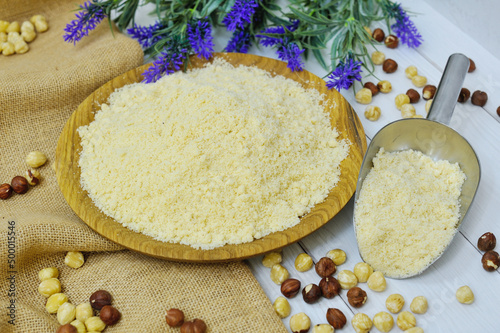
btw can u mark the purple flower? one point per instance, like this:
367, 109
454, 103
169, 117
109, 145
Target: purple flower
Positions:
280, 30
404, 28
167, 63
290, 52
239, 42
146, 36
241, 13
344, 75
200, 37
86, 20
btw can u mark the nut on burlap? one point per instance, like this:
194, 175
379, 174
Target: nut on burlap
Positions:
38, 92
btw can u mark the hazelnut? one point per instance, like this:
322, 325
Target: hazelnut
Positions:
84, 311
400, 100
55, 301
74, 259
472, 66
498, 111
174, 317
428, 92
370, 85
406, 320
329, 286
347, 279
428, 105
383, 321
411, 71
391, 41
362, 271
279, 274
33, 177
361, 323
303, 262
378, 35
384, 86
378, 58
389, 66
99, 299
419, 305
372, 112
465, 295
36, 159
67, 328
356, 297
80, 327
364, 96
110, 315
271, 259
487, 242
19, 185
325, 267
5, 191
290, 287
394, 303
282, 307
311, 293
47, 273
464, 95
49, 287
300, 323
66, 313
95, 324
490, 261
368, 30
336, 318
415, 330
323, 328
408, 111
337, 255
419, 81
413, 95
376, 282
478, 98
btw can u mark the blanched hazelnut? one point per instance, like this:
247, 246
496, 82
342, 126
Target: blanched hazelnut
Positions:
376, 282
99, 299
325, 267
378, 35
300, 323
66, 313
13, 27
487, 242
465, 295
74, 259
49, 287
282, 307
80, 327
95, 324
329, 286
55, 301
279, 274
372, 112
413, 95
20, 46
84, 311
408, 111
368, 30
47, 273
356, 297
384, 86
419, 305
311, 293
7, 48
362, 271
406, 320
400, 100
33, 177
394, 303
391, 41
419, 81
109, 315
364, 96
428, 105
389, 66
383, 321
3, 26
36, 159
378, 58
323, 328
411, 71
491, 261
428, 92
415, 330
373, 88
290, 287
337, 255
271, 259
361, 323
336, 318
347, 279
303, 262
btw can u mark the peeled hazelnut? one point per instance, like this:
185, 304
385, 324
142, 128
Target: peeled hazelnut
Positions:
376, 282
311, 293
364, 96
362, 271
282, 307
465, 295
415, 330
464, 95
325, 267
428, 105
408, 111
300, 323
370, 85
36, 159
55, 301
406, 320
491, 261
19, 185
33, 177
279, 274
49, 287
347, 279
378, 58
95, 324
303, 262
337, 255
99, 299
74, 259
174, 317
356, 297
384, 86
372, 112
84, 311
391, 41
361, 323
394, 303
323, 328
368, 30
336, 318
413, 95
428, 92
389, 66
478, 98
400, 100
67, 328
487, 242
411, 71
109, 315
383, 321
271, 259
329, 286
47, 273
5, 191
472, 66
378, 35
290, 287
419, 81
80, 326
66, 313
419, 305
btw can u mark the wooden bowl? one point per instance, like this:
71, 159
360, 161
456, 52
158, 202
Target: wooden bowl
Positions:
343, 118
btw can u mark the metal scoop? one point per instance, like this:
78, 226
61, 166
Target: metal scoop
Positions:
432, 137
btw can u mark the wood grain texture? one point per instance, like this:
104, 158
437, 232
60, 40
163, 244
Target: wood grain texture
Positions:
343, 118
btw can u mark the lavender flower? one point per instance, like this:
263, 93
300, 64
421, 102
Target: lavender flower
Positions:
200, 37
239, 42
241, 13
280, 30
404, 28
146, 36
167, 63
290, 52
344, 75
86, 20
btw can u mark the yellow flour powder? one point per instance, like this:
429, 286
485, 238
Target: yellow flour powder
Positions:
407, 211
218, 155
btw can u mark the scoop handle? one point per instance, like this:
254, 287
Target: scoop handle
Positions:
449, 88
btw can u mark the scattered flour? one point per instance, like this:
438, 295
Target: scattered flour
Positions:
218, 155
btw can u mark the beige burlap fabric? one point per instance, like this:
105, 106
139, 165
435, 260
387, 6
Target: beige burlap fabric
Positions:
38, 92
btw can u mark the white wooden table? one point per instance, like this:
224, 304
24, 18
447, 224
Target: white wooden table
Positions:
461, 263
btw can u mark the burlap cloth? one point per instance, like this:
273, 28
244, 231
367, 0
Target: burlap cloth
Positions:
38, 92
